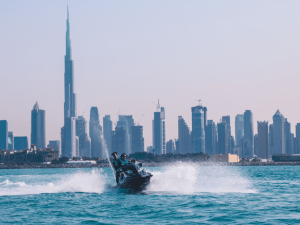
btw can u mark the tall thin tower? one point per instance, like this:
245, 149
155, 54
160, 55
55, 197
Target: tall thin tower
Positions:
68, 138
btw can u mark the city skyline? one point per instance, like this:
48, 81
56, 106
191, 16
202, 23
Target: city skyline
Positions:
135, 105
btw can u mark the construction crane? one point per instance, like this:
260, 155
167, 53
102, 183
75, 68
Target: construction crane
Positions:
138, 123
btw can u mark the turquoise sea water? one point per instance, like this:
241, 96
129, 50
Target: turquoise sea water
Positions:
178, 194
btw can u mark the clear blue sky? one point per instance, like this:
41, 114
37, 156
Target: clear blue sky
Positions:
233, 55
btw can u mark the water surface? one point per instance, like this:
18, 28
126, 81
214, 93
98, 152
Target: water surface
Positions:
178, 194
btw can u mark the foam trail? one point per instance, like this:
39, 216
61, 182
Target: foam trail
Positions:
90, 182
190, 178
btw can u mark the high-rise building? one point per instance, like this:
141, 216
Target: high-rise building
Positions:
255, 144
170, 147
262, 140
10, 141
137, 139
81, 133
68, 131
20, 143
69, 149
211, 141
297, 131
184, 137
271, 140
87, 147
158, 131
55, 145
95, 134
288, 138
127, 123
107, 129
3, 134
278, 133
118, 140
226, 119
38, 127
239, 130
198, 128
248, 140
222, 138
295, 145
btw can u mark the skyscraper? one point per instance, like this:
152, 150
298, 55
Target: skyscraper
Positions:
239, 133
278, 133
262, 140
81, 133
222, 138
10, 141
271, 140
184, 137
226, 119
211, 138
118, 140
137, 139
127, 123
158, 131
255, 144
107, 129
38, 131
288, 138
95, 134
170, 147
198, 129
20, 143
297, 141
3, 134
87, 147
248, 142
68, 131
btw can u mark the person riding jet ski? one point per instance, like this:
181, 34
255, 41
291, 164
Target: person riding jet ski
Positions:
118, 163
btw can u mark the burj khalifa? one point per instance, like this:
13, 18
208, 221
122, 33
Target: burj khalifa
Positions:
68, 131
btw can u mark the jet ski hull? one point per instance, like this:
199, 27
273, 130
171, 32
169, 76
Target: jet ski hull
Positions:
135, 183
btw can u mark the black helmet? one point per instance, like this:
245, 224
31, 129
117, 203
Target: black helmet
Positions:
123, 155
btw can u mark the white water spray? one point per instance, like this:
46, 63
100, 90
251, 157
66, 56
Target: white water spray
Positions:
104, 146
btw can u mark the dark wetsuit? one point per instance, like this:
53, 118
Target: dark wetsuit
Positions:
117, 165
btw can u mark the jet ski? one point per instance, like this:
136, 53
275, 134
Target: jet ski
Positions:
134, 177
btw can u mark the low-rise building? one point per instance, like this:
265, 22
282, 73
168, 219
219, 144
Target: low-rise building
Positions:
29, 155
224, 158
286, 158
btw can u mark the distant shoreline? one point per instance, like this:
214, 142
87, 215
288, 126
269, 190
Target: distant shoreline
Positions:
164, 164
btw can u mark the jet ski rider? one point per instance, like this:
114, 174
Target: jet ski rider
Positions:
118, 162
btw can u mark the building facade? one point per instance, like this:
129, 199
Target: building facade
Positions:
95, 134
211, 141
262, 140
248, 140
158, 131
198, 128
20, 143
55, 145
10, 141
278, 133
171, 147
107, 129
3, 134
184, 137
68, 131
137, 139
222, 138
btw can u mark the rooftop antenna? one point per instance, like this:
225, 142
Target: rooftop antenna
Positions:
198, 101
157, 106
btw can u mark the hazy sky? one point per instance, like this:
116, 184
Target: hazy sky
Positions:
233, 55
